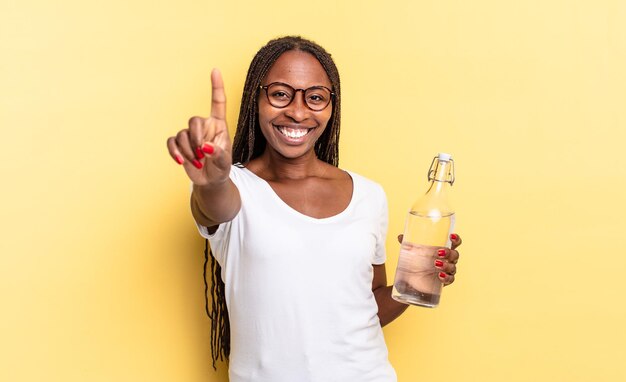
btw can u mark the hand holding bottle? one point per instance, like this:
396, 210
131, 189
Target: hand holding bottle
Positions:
447, 259
445, 265
204, 149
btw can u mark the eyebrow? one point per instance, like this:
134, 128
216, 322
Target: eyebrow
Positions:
329, 87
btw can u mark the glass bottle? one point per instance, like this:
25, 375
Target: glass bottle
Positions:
428, 227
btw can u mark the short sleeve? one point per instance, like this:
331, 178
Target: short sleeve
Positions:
383, 220
218, 234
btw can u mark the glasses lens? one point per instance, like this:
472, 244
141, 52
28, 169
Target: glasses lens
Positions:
317, 97
280, 95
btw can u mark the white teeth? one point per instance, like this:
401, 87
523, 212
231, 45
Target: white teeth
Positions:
293, 133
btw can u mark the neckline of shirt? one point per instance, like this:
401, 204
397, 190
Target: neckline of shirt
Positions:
295, 212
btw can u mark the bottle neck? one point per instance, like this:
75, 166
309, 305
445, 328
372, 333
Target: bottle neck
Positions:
436, 201
441, 177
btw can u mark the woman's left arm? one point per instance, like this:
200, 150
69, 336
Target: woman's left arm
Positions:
390, 309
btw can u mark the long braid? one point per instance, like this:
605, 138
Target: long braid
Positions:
248, 144
220, 333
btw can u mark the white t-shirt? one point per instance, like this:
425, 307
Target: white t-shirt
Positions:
299, 289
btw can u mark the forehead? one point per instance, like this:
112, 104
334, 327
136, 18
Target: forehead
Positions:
298, 69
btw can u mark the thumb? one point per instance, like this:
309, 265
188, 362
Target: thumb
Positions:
221, 158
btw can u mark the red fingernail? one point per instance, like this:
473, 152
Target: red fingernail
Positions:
179, 159
454, 236
197, 163
438, 263
199, 153
208, 148
442, 275
441, 252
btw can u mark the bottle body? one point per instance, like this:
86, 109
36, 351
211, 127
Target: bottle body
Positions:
428, 227
417, 280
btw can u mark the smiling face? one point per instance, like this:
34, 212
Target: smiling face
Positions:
293, 130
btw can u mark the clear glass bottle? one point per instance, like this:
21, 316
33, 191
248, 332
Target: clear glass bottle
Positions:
428, 227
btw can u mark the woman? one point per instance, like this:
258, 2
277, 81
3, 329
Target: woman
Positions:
300, 243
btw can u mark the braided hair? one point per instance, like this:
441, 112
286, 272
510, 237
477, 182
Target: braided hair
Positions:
249, 143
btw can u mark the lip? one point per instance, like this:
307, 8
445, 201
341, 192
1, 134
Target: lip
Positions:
293, 141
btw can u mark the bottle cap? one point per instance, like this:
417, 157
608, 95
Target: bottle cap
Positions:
445, 157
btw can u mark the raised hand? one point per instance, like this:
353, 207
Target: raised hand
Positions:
204, 149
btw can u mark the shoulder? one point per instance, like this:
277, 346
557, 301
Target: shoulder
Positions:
369, 198
243, 178
369, 194
366, 185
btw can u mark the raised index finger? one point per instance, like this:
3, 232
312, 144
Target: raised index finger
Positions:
218, 96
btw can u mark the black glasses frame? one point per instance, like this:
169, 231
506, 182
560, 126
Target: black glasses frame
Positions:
295, 91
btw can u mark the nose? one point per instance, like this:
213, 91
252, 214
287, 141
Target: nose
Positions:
297, 109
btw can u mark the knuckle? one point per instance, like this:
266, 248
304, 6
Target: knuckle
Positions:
218, 96
451, 270
183, 145
181, 136
195, 121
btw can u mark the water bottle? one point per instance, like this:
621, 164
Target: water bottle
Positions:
428, 227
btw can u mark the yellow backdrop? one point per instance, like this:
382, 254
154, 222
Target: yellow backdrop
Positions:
101, 265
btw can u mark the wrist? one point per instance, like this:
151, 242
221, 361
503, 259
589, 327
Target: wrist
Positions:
210, 185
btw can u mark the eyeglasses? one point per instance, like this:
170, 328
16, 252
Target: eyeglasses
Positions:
281, 95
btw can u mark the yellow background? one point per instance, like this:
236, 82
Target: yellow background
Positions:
101, 265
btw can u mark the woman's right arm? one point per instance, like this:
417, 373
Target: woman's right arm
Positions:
211, 206
205, 152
